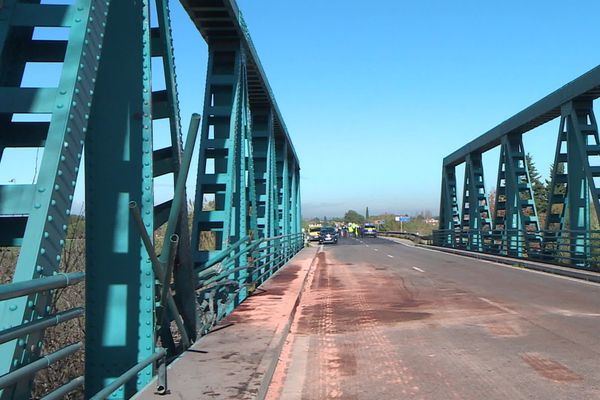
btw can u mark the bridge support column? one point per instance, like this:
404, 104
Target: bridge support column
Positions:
578, 146
35, 215
118, 155
476, 220
449, 224
515, 220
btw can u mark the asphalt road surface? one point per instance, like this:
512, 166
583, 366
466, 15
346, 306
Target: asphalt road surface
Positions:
382, 320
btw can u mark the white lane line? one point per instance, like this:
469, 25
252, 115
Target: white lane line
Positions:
526, 270
376, 249
321, 247
493, 303
390, 256
367, 245
418, 269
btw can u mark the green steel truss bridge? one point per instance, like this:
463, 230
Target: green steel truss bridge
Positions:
513, 229
148, 300
145, 302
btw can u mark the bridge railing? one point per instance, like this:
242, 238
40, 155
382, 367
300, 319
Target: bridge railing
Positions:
228, 278
573, 248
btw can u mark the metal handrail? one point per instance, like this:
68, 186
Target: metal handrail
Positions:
44, 362
575, 248
128, 375
15, 332
24, 288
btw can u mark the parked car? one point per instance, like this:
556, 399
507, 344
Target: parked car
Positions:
328, 235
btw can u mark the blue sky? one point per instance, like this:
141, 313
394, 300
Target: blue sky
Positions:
375, 94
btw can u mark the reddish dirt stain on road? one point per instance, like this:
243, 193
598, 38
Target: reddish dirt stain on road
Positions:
550, 369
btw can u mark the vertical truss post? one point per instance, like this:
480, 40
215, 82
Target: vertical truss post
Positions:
449, 215
261, 137
516, 222
298, 205
580, 131
214, 212
167, 160
294, 200
285, 196
36, 216
475, 213
557, 197
118, 156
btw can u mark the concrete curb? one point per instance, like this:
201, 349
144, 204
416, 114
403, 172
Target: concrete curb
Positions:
519, 262
271, 358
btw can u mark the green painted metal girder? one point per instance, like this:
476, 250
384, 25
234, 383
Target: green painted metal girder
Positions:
574, 193
476, 221
449, 214
165, 104
516, 228
118, 154
231, 26
44, 206
585, 87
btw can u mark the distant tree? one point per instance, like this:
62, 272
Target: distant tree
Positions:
492, 202
561, 188
354, 217
367, 214
539, 190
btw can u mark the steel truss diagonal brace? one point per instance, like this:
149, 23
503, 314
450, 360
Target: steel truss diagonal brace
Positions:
516, 221
44, 209
572, 190
449, 213
475, 213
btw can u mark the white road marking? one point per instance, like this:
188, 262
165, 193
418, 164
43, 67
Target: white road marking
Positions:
418, 269
527, 270
376, 249
321, 247
367, 245
390, 256
493, 303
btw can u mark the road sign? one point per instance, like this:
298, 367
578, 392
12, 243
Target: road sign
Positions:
402, 218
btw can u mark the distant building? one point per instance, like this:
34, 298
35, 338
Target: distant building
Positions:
431, 221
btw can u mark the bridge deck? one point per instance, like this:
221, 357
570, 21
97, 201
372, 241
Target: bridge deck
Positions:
382, 320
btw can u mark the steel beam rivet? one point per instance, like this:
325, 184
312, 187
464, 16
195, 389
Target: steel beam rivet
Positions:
37, 205
63, 92
56, 187
41, 190
64, 227
48, 308
12, 307
39, 267
78, 19
59, 106
57, 258
30, 304
21, 343
43, 251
